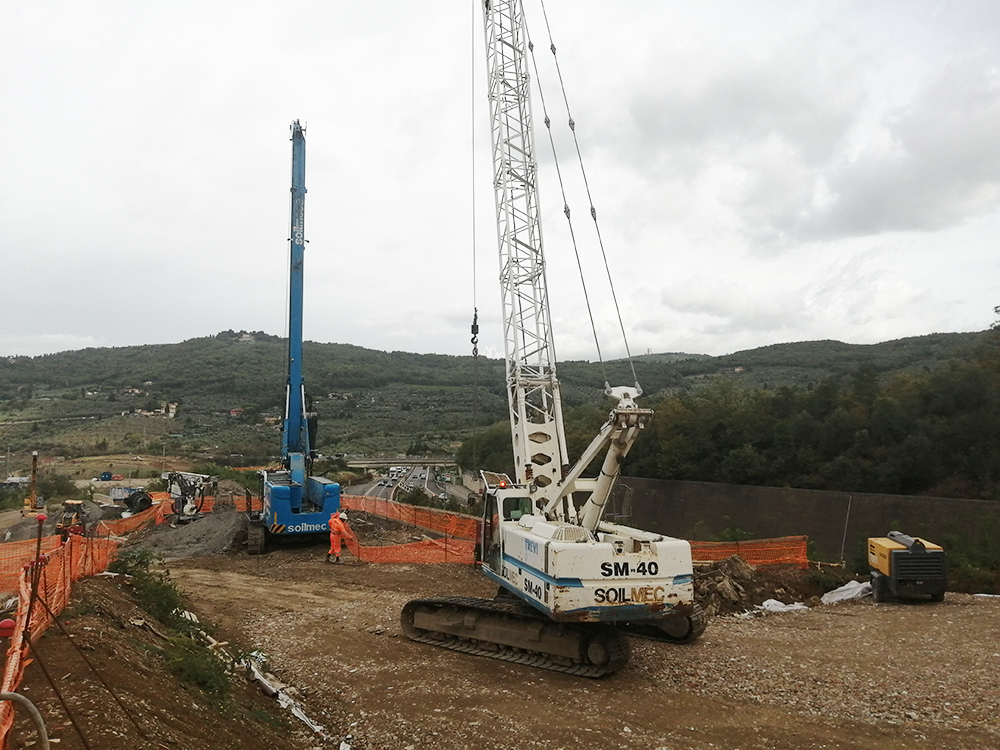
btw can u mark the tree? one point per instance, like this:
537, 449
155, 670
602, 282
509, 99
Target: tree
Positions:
489, 450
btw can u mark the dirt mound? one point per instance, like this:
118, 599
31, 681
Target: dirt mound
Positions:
140, 659
217, 533
375, 531
733, 585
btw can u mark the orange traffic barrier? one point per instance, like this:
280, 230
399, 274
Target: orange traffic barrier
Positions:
785, 550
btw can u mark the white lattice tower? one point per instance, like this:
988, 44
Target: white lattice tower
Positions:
532, 388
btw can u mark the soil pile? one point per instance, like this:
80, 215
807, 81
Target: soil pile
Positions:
218, 533
733, 585
143, 662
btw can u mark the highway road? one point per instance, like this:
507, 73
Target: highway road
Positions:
415, 476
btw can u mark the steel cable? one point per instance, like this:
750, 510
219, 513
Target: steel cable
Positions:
586, 184
566, 209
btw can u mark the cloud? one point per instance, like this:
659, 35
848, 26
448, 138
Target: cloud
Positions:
821, 136
942, 166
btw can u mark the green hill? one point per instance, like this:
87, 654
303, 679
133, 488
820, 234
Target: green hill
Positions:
229, 389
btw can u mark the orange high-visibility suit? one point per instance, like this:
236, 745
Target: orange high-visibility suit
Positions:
338, 532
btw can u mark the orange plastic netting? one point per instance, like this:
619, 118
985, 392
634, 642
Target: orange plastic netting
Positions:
432, 519
463, 531
54, 572
458, 546
785, 550
15, 555
243, 505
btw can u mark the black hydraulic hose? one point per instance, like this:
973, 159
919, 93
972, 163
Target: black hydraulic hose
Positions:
36, 717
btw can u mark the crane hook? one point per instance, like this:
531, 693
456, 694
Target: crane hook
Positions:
475, 332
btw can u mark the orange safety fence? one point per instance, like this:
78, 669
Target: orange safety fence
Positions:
243, 506
457, 547
15, 555
152, 515
785, 550
53, 572
432, 519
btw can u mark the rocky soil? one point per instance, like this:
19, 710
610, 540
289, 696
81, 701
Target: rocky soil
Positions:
853, 675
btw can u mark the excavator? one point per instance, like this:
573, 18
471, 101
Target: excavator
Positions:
570, 584
72, 521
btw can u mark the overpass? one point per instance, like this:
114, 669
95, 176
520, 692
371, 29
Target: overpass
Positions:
355, 462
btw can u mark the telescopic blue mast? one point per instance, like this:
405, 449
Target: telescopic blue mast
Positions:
295, 443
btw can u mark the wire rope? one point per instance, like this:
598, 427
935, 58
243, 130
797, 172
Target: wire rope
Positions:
586, 184
475, 302
566, 209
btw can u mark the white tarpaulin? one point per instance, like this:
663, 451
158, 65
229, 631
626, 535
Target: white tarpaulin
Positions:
773, 605
850, 590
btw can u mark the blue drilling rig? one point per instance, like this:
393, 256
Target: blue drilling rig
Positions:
294, 503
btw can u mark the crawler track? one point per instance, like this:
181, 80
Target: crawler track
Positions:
512, 632
256, 539
676, 629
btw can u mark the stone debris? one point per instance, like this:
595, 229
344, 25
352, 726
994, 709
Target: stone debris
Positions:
724, 587
733, 586
214, 533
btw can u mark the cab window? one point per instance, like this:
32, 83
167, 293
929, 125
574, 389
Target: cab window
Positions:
515, 507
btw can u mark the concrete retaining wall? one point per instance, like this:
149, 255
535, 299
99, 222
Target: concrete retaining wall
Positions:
701, 510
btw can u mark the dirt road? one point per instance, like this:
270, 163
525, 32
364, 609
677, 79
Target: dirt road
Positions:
854, 675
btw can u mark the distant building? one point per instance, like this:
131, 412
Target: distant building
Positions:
236, 412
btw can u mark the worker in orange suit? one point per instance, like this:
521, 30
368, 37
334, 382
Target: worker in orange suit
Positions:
338, 533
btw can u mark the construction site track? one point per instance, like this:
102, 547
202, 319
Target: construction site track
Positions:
587, 649
693, 626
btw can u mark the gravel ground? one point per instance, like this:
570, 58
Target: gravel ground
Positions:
854, 675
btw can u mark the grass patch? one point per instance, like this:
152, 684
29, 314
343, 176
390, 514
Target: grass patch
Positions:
196, 665
157, 595
152, 588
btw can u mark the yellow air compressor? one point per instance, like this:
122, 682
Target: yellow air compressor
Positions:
905, 566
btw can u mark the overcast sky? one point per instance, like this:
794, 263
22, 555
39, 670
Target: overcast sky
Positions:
763, 172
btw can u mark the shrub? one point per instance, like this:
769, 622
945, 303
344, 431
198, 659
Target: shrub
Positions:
152, 589
195, 664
